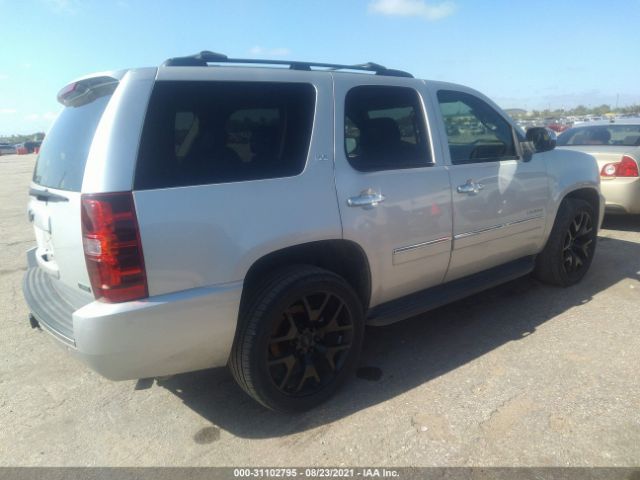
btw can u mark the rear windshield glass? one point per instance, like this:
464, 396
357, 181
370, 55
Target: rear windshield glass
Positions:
628, 135
199, 133
65, 149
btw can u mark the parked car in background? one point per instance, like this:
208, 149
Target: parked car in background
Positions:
557, 127
616, 147
7, 149
30, 146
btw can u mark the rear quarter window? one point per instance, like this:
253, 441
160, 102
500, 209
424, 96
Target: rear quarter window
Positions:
199, 133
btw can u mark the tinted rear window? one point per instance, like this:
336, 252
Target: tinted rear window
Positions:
200, 133
64, 152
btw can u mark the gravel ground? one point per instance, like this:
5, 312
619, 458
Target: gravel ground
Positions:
520, 375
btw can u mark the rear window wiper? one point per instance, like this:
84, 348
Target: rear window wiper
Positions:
47, 196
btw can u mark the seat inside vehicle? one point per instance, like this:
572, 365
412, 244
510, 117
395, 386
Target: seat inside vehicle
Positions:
379, 138
598, 136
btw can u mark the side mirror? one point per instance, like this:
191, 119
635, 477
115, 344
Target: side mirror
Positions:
542, 138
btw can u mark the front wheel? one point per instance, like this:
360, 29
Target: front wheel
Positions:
299, 337
569, 251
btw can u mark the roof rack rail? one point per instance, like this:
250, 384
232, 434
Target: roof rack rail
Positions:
205, 57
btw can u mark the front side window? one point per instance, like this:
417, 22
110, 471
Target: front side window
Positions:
199, 133
476, 132
384, 129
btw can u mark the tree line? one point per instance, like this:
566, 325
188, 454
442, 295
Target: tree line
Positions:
581, 111
13, 139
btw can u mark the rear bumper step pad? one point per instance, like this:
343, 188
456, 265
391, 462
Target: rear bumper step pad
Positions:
50, 310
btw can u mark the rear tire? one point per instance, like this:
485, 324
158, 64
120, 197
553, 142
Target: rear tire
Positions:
569, 251
299, 338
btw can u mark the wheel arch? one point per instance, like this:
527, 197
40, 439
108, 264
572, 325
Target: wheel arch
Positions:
551, 263
588, 192
342, 257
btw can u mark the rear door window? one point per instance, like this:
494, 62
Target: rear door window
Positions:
199, 133
385, 129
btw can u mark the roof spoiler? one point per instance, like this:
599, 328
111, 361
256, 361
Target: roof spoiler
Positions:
86, 90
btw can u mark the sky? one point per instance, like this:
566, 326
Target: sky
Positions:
522, 54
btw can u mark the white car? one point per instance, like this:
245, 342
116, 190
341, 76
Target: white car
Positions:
7, 149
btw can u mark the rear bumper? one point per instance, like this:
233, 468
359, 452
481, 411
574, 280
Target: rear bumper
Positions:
53, 312
622, 195
162, 335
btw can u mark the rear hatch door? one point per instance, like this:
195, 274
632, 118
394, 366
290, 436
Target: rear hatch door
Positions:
54, 203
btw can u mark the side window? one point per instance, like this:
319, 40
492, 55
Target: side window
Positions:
255, 133
385, 129
476, 132
186, 129
199, 133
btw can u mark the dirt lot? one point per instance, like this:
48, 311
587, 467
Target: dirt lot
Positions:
523, 374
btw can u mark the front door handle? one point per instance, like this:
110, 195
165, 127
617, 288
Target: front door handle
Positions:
367, 198
471, 187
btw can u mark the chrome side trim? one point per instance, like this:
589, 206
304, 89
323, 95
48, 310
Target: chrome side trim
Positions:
495, 227
420, 245
476, 232
525, 220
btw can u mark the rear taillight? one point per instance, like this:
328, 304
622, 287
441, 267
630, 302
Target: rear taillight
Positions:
627, 167
112, 247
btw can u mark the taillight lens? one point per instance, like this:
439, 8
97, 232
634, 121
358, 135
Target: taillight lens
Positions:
112, 247
627, 167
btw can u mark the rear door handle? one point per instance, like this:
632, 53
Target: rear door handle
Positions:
367, 198
471, 187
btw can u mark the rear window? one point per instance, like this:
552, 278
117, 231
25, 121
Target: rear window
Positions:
64, 152
199, 133
626, 135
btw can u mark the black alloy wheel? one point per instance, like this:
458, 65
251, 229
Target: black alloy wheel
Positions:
571, 245
578, 242
309, 344
299, 338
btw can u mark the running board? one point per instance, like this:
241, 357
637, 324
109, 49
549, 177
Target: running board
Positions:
434, 297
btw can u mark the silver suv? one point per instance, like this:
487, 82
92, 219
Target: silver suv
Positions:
201, 214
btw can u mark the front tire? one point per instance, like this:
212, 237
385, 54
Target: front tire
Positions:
299, 338
569, 251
